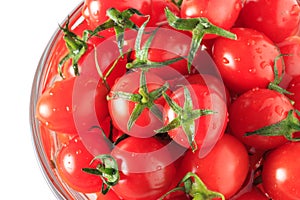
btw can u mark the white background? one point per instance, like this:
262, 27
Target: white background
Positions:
25, 29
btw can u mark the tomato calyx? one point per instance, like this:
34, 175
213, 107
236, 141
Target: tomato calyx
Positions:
141, 53
199, 26
143, 99
186, 117
120, 21
77, 47
191, 184
285, 127
107, 170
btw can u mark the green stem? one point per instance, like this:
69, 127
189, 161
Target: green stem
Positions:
285, 127
199, 27
192, 185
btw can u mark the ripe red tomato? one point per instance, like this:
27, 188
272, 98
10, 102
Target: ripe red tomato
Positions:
94, 11
219, 13
281, 175
291, 48
122, 108
56, 107
144, 169
70, 161
277, 19
224, 169
208, 128
168, 44
256, 109
251, 66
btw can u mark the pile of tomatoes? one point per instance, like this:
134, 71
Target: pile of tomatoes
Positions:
166, 99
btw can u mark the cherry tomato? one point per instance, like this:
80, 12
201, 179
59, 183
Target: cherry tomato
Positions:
121, 108
277, 19
251, 66
175, 45
55, 107
69, 163
208, 128
290, 48
280, 175
224, 169
94, 11
220, 13
144, 169
256, 109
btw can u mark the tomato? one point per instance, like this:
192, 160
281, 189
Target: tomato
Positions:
256, 109
175, 45
208, 128
280, 175
145, 172
94, 11
253, 194
277, 19
290, 47
122, 108
245, 68
55, 107
219, 13
224, 169
69, 163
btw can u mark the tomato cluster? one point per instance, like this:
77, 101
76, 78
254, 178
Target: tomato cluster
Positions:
166, 99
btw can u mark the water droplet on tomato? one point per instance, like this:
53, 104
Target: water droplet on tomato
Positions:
237, 59
258, 50
252, 70
264, 64
158, 167
225, 61
279, 110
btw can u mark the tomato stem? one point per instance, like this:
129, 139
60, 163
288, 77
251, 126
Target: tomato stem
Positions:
186, 117
141, 60
120, 21
199, 27
76, 46
192, 185
285, 127
107, 170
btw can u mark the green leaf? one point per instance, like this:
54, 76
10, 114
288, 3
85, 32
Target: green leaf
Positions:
175, 123
137, 111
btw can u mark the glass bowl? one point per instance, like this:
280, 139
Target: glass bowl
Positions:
47, 142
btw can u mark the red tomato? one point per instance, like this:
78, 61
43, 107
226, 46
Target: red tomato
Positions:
277, 19
253, 194
256, 109
207, 128
121, 108
224, 169
145, 172
69, 162
55, 107
94, 11
168, 44
251, 66
291, 48
281, 175
219, 13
